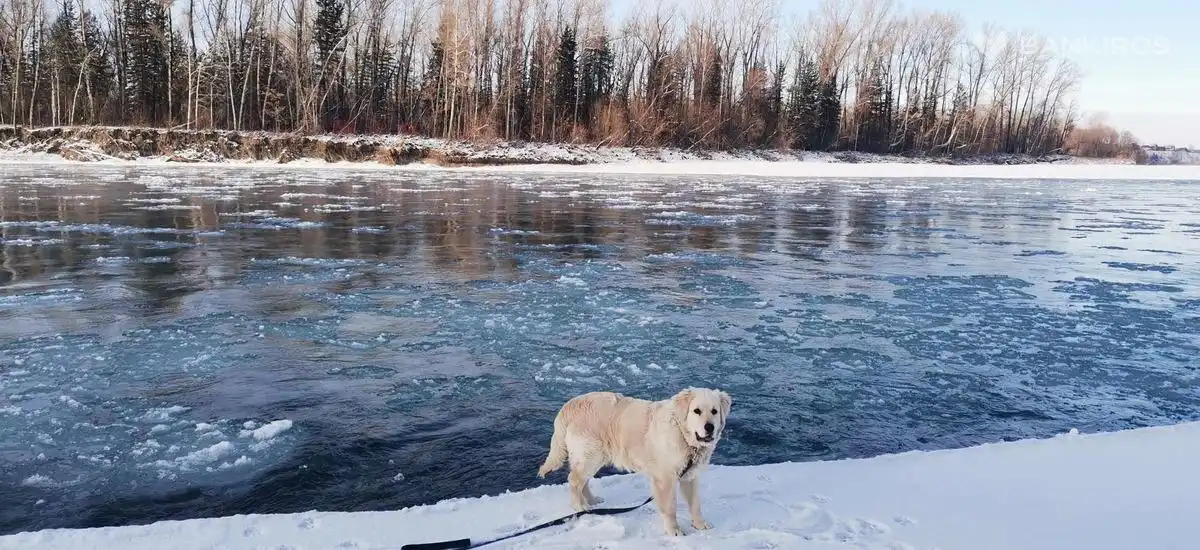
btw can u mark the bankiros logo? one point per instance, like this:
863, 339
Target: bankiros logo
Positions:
1118, 46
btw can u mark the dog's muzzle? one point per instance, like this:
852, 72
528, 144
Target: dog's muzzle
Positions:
704, 438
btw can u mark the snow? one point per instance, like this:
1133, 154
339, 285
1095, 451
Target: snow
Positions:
546, 158
820, 169
1121, 490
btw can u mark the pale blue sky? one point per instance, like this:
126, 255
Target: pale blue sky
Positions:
1140, 58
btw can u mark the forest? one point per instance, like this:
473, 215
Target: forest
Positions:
852, 75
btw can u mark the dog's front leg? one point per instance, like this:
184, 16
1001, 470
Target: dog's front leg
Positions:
691, 494
664, 495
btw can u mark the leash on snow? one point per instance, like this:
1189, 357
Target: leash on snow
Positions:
463, 544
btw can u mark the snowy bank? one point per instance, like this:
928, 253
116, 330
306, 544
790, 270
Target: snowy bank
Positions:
825, 168
1120, 491
148, 146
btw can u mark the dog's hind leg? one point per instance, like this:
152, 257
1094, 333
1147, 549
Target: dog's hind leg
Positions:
583, 468
590, 469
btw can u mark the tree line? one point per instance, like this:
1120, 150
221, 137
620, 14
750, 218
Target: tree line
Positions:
862, 75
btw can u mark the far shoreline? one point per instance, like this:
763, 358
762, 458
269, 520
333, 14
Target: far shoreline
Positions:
147, 147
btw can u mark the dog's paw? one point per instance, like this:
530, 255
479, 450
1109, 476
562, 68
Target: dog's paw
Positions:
673, 531
701, 525
595, 500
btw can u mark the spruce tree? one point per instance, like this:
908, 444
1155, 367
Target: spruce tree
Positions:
66, 56
604, 69
804, 105
566, 75
329, 34
431, 86
98, 74
65, 49
595, 77
829, 113
871, 112
147, 56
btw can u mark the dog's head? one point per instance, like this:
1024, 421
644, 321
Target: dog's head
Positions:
701, 413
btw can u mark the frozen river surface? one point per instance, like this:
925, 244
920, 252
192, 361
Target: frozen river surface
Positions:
183, 342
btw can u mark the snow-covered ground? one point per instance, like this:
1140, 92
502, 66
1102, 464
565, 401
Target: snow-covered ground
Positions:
828, 168
404, 152
1119, 491
812, 166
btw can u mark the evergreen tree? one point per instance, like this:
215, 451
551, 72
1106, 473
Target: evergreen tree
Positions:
871, 112
65, 49
373, 86
147, 59
80, 63
959, 105
431, 88
829, 114
804, 104
271, 83
329, 31
329, 37
65, 53
566, 75
773, 115
595, 77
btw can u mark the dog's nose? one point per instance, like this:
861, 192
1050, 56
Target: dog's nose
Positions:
708, 427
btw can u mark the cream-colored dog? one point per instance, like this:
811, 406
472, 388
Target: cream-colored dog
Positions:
657, 438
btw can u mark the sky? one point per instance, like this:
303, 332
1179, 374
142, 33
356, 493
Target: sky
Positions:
1140, 58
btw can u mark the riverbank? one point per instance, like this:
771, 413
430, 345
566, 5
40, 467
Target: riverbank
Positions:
109, 144
144, 146
1108, 491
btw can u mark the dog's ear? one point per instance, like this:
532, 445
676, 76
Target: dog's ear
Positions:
726, 404
681, 402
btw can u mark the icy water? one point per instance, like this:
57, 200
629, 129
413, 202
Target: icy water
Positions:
184, 342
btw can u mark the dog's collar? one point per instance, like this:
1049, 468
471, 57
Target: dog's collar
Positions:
688, 467
693, 456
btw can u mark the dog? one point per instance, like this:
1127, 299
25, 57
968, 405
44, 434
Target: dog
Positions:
668, 441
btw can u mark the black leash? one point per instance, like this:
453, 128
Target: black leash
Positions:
462, 544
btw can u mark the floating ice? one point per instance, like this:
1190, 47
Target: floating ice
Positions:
853, 318
269, 430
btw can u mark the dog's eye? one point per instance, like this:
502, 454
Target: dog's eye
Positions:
714, 412
697, 411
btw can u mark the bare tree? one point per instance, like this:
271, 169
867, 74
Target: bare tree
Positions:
851, 74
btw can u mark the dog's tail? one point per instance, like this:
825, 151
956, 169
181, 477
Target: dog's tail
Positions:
558, 448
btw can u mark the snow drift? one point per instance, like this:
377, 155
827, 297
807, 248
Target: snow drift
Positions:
1118, 491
